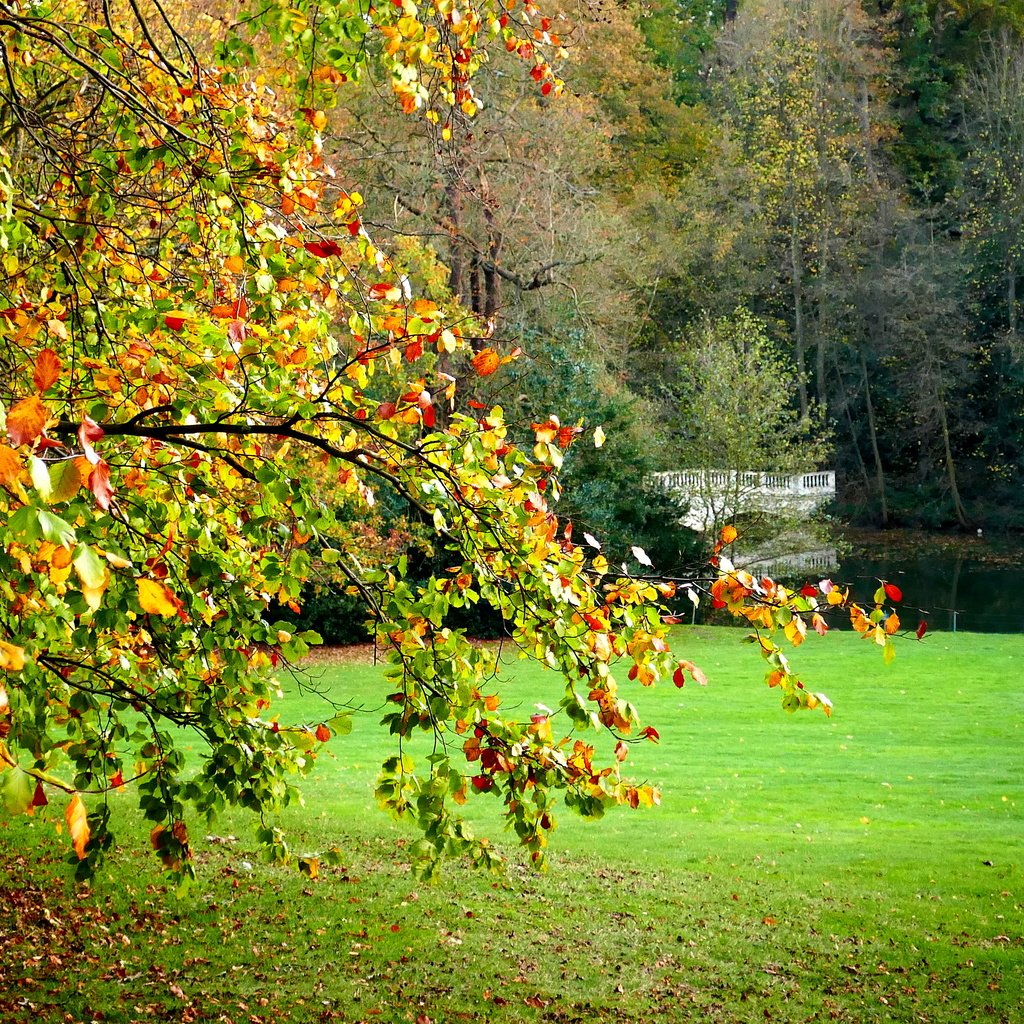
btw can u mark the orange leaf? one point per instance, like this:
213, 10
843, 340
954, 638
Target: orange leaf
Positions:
892, 624
47, 370
698, 675
10, 465
78, 824
156, 599
728, 534
26, 420
486, 361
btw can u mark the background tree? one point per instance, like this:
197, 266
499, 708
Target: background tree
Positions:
737, 414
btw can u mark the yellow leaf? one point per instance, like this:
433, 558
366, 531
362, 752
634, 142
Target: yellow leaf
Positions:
94, 576
156, 599
795, 630
78, 824
12, 659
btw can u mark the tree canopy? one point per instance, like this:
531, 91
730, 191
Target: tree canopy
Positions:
210, 370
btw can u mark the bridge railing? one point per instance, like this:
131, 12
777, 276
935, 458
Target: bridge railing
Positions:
729, 481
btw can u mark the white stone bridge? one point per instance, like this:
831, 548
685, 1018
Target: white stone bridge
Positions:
715, 496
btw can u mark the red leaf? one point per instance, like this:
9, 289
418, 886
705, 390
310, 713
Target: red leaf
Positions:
650, 733
809, 590
88, 432
323, 734
893, 592
922, 628
99, 484
482, 782
414, 350
323, 249
236, 332
385, 410
678, 677
39, 797
174, 321
429, 417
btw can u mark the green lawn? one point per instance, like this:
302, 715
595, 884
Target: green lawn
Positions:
860, 868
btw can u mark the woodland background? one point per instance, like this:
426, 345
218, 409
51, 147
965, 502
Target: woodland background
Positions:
831, 189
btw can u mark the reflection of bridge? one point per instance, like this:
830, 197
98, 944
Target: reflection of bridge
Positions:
714, 496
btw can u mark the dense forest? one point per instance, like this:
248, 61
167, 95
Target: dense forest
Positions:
839, 184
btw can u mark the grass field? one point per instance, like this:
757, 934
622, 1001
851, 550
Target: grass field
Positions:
861, 868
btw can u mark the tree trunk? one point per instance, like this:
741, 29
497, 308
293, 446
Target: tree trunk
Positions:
855, 445
1011, 299
864, 110
883, 504
453, 196
820, 338
954, 490
492, 280
799, 342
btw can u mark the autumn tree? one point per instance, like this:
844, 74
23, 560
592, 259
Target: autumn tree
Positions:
802, 82
199, 335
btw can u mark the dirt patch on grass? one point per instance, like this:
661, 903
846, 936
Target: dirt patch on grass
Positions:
370, 654
346, 654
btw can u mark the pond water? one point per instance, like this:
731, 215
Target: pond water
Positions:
948, 593
960, 583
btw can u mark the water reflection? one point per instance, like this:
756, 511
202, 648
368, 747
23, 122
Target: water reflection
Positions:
952, 583
950, 591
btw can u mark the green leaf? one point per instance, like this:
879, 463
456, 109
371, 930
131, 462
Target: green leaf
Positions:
340, 725
54, 529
